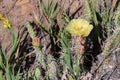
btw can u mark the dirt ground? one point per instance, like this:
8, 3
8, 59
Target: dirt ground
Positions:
21, 11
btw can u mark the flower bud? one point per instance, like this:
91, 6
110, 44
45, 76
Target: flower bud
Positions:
36, 41
81, 49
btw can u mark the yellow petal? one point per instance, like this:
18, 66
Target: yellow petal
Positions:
79, 27
6, 23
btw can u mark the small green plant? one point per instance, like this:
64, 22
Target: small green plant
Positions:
7, 62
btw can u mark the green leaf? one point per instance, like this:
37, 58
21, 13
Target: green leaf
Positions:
50, 8
68, 60
46, 11
93, 10
1, 63
55, 11
1, 76
14, 48
66, 17
3, 58
77, 65
12, 34
65, 41
7, 71
17, 76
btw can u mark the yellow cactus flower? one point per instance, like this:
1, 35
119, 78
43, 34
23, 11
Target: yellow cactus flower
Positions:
79, 27
5, 21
